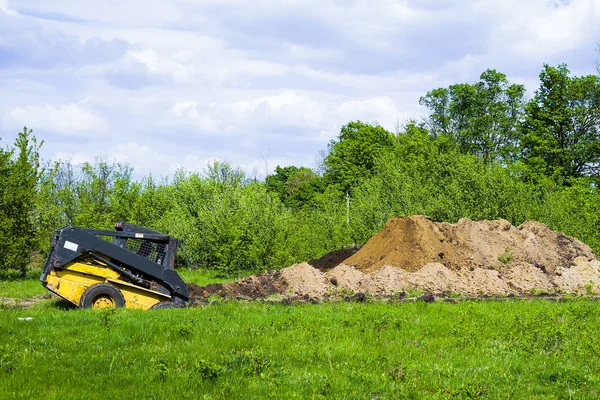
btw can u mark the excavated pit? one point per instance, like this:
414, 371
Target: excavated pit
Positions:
417, 255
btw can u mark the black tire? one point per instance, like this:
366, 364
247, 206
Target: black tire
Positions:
102, 295
166, 304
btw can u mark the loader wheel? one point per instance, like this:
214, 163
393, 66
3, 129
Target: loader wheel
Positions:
166, 304
102, 295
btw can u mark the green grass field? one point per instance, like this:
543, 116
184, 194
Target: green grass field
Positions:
204, 277
235, 350
21, 289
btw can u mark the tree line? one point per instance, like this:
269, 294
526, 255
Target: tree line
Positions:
484, 151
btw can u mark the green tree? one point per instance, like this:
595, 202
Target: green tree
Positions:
93, 195
296, 187
19, 172
56, 202
5, 218
105, 194
352, 156
482, 118
561, 129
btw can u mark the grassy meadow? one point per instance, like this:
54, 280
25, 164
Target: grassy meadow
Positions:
237, 350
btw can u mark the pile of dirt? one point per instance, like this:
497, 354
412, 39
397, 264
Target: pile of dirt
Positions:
411, 242
251, 287
416, 254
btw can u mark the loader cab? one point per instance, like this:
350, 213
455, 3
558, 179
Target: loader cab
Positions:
143, 244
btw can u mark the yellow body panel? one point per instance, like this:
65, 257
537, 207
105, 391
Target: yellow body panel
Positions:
70, 281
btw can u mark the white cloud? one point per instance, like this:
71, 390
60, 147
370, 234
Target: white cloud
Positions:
547, 28
287, 108
378, 109
161, 66
318, 119
67, 119
143, 158
26, 42
4, 8
307, 54
188, 111
130, 12
184, 82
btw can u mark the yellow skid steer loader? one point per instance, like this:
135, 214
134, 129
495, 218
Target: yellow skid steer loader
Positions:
129, 267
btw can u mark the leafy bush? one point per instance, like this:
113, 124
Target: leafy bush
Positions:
506, 257
250, 362
207, 370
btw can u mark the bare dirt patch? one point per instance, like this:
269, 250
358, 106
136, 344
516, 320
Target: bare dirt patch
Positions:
9, 302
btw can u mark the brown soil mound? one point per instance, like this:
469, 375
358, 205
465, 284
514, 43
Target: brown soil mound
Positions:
411, 242
416, 254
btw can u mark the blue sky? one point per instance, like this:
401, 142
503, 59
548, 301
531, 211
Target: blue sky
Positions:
169, 84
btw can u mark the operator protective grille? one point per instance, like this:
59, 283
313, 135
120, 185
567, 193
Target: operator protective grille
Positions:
153, 251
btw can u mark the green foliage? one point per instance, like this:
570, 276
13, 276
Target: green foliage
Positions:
420, 177
562, 126
207, 371
183, 330
296, 187
94, 195
481, 118
227, 223
232, 224
574, 210
161, 369
19, 169
589, 288
352, 156
424, 175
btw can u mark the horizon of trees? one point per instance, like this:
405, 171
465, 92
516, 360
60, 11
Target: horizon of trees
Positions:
483, 152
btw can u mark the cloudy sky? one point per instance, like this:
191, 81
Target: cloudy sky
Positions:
166, 84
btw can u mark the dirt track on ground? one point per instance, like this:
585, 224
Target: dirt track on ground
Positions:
417, 255
10, 302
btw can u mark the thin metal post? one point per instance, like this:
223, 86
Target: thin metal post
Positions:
347, 207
